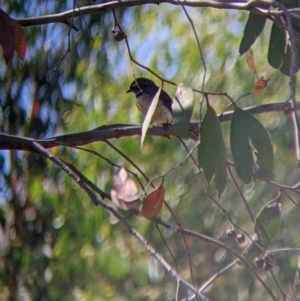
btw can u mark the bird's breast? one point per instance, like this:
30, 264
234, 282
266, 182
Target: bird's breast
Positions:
161, 115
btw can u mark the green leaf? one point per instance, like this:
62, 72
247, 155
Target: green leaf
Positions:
248, 138
211, 150
253, 250
183, 109
241, 149
277, 47
285, 68
149, 115
267, 222
253, 29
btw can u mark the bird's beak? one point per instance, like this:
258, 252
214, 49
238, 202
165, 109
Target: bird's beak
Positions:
128, 91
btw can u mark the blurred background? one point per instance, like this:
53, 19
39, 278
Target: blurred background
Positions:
54, 243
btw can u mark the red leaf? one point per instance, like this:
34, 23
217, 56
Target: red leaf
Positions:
12, 37
6, 36
153, 203
20, 40
124, 194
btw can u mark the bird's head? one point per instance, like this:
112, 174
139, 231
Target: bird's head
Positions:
142, 84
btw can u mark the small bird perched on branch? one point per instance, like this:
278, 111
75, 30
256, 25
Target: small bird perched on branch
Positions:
145, 90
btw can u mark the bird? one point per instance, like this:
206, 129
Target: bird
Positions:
145, 90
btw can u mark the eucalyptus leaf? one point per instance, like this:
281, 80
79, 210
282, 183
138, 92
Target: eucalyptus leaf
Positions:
211, 150
248, 138
254, 26
149, 115
277, 47
267, 222
241, 149
254, 249
285, 68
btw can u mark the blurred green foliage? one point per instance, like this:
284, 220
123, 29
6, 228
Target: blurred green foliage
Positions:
55, 244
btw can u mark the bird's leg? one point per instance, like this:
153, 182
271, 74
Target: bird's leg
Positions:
165, 126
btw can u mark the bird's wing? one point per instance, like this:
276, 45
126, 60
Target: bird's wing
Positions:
166, 99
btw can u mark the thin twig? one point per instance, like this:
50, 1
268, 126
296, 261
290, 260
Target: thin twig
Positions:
209, 282
223, 246
283, 250
66, 53
186, 247
201, 57
111, 163
205, 285
130, 161
167, 246
283, 295
283, 190
83, 18
240, 193
87, 182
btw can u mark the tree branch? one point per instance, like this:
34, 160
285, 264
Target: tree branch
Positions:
115, 131
80, 180
100, 8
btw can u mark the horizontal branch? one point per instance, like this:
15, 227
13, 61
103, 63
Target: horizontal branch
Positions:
63, 17
115, 131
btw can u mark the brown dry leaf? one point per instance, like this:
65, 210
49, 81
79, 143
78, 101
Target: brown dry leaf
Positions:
153, 203
124, 194
251, 62
260, 85
12, 37
20, 40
